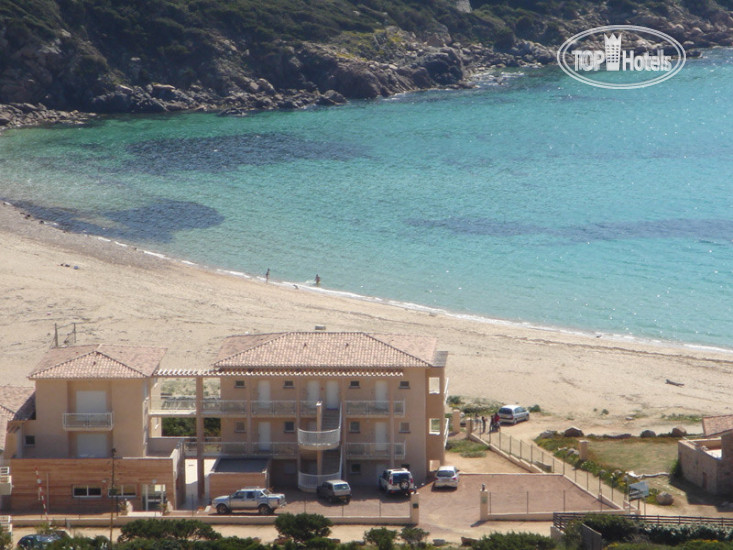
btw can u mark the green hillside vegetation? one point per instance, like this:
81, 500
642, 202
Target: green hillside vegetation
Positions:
65, 53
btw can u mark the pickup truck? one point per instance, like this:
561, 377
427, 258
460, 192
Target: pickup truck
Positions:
249, 499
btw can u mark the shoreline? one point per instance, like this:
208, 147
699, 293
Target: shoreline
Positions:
409, 306
124, 295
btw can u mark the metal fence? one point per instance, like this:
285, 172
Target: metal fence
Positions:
530, 453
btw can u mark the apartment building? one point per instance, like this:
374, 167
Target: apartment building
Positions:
309, 406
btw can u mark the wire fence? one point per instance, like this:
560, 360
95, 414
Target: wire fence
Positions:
532, 454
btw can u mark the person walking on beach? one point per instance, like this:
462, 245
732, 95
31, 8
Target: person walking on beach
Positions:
318, 280
267, 275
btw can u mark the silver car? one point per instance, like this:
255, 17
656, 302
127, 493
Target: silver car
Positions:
446, 476
511, 414
255, 499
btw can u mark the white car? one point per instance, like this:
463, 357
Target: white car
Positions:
511, 414
446, 476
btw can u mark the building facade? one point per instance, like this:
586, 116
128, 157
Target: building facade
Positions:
313, 405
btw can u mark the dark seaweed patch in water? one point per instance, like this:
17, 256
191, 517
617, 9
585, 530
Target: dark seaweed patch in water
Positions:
219, 153
657, 229
479, 226
701, 230
156, 222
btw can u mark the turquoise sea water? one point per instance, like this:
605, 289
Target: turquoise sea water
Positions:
540, 200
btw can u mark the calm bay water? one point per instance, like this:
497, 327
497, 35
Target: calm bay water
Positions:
540, 200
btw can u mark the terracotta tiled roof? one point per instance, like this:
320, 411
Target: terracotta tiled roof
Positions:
715, 425
99, 361
17, 402
232, 372
324, 350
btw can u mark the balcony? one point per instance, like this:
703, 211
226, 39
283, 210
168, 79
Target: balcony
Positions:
374, 408
319, 441
214, 447
274, 408
6, 482
185, 405
87, 422
328, 437
375, 450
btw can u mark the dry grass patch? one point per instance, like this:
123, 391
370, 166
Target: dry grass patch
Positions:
641, 455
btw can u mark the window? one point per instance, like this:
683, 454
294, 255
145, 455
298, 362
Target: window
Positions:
29, 441
123, 491
404, 427
354, 427
434, 384
404, 384
435, 425
240, 427
289, 426
354, 384
239, 384
355, 469
86, 491
288, 384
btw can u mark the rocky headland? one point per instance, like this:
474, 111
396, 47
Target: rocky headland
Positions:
68, 71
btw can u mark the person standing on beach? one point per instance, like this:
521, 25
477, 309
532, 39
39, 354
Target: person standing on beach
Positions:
318, 280
483, 424
267, 275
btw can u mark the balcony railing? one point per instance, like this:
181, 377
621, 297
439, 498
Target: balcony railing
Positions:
176, 404
6, 481
274, 408
367, 408
308, 408
213, 447
88, 421
375, 450
374, 408
328, 439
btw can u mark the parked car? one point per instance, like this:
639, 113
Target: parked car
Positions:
511, 414
249, 499
397, 480
446, 476
41, 540
335, 490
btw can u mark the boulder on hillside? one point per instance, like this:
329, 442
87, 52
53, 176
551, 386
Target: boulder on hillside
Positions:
665, 499
648, 433
573, 432
679, 431
547, 434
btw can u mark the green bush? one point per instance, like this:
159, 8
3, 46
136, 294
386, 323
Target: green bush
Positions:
381, 537
304, 527
413, 536
171, 529
513, 541
611, 528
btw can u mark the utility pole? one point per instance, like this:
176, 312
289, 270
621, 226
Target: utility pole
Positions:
113, 493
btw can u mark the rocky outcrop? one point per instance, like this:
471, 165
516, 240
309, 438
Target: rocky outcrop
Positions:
62, 71
17, 115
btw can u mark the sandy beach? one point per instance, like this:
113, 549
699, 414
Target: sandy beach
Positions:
120, 294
